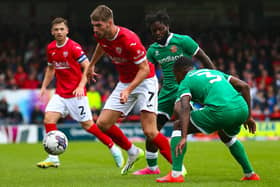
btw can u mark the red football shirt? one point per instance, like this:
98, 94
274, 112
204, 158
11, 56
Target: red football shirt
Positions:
126, 51
66, 60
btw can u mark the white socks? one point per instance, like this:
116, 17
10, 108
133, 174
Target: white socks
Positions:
133, 150
114, 148
176, 173
249, 174
54, 157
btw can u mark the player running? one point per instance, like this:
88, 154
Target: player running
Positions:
167, 48
65, 59
137, 83
227, 106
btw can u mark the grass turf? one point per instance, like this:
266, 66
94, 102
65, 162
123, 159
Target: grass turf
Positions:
91, 164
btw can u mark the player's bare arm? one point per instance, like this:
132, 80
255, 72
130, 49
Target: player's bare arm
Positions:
204, 59
142, 73
79, 91
47, 79
184, 117
244, 89
98, 53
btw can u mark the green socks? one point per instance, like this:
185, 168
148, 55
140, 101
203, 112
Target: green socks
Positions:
177, 161
238, 152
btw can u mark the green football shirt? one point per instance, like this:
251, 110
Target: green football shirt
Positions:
176, 46
211, 88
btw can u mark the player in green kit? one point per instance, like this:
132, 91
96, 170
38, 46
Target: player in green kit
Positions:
167, 48
226, 102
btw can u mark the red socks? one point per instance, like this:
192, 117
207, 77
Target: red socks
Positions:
50, 127
118, 137
163, 144
100, 135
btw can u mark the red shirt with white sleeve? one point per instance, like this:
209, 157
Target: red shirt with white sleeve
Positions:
66, 60
126, 51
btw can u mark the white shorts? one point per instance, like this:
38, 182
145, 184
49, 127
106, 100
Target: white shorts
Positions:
77, 108
145, 94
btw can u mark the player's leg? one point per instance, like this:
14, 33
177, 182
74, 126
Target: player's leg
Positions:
175, 139
93, 129
80, 111
148, 97
50, 121
232, 121
166, 99
111, 112
106, 122
146, 94
151, 151
165, 110
177, 173
54, 111
161, 120
238, 152
148, 121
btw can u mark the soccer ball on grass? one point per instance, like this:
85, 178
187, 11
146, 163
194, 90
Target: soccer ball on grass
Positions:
55, 142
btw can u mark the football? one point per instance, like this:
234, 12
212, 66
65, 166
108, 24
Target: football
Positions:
55, 142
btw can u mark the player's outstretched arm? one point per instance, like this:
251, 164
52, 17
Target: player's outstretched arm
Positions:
47, 79
204, 59
98, 53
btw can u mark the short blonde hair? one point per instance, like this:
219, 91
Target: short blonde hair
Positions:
101, 13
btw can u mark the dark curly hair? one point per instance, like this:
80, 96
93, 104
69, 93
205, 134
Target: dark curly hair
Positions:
160, 16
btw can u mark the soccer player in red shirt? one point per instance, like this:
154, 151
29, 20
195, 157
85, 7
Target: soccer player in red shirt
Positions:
65, 59
137, 83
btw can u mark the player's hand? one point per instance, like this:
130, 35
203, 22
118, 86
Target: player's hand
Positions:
79, 92
91, 74
250, 124
124, 96
42, 92
180, 147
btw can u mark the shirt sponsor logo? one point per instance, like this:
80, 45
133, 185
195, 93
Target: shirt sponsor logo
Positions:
61, 65
169, 59
118, 60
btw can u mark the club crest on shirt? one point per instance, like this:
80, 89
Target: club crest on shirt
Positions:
173, 49
118, 50
65, 53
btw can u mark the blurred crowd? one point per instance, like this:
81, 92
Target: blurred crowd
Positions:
252, 56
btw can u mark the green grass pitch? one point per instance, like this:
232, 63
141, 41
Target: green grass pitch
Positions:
91, 164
